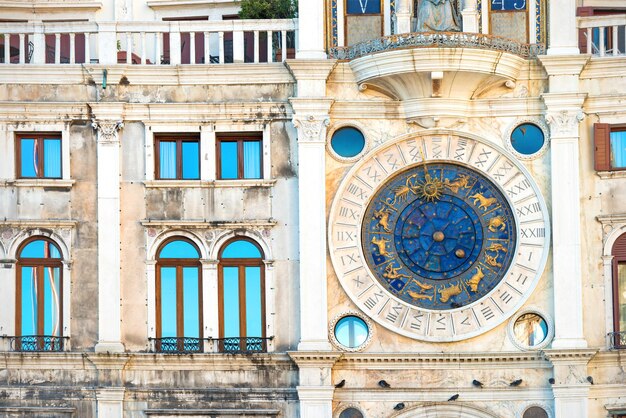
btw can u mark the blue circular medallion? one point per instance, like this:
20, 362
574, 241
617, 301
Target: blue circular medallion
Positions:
439, 236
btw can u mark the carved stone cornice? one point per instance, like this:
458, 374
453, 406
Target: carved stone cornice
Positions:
564, 123
107, 130
311, 129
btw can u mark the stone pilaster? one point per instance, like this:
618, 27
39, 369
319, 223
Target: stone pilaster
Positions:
311, 35
403, 16
562, 26
107, 122
315, 388
571, 387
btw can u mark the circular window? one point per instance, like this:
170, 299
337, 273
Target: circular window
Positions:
530, 330
527, 139
347, 142
535, 412
351, 331
351, 413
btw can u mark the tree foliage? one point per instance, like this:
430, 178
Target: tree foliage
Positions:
268, 9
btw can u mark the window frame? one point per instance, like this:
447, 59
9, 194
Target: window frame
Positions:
239, 138
179, 264
178, 138
241, 263
40, 264
618, 252
602, 145
39, 138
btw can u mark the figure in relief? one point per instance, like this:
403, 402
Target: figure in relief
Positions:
438, 16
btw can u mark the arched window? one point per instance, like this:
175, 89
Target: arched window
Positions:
242, 297
39, 302
619, 292
178, 297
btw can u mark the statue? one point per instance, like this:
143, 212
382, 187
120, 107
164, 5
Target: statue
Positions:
438, 16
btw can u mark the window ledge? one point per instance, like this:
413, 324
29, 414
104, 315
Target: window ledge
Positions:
617, 174
209, 184
48, 183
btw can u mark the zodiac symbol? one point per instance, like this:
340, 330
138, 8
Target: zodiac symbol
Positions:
485, 202
496, 246
462, 181
382, 216
416, 295
497, 222
422, 285
381, 243
392, 273
446, 293
402, 192
476, 278
492, 260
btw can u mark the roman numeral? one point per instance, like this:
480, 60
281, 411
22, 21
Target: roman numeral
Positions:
437, 147
372, 173
441, 323
373, 300
518, 188
466, 321
521, 277
416, 324
357, 191
414, 152
392, 161
487, 313
532, 232
394, 313
346, 236
347, 212
346, 260
505, 297
357, 280
482, 158
459, 152
528, 209
502, 170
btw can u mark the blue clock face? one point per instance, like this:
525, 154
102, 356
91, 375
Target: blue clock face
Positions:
439, 236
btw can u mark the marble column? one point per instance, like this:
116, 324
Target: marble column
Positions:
310, 33
562, 26
315, 388
403, 16
109, 246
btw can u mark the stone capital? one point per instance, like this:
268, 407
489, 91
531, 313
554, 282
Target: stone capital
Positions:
564, 123
107, 130
311, 128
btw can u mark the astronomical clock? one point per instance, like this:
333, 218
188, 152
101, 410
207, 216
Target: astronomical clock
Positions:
439, 237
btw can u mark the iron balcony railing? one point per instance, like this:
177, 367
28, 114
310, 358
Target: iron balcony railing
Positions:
188, 345
37, 343
436, 39
617, 340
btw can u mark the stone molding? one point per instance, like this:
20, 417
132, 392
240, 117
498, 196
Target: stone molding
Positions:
107, 130
560, 65
312, 128
314, 358
204, 224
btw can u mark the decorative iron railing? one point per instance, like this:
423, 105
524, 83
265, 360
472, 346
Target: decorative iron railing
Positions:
603, 35
177, 345
37, 343
437, 40
242, 344
617, 340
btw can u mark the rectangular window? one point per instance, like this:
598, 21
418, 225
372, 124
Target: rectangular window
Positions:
177, 157
39, 156
610, 146
239, 156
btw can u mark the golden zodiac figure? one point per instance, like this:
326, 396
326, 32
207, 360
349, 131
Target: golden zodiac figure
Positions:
475, 280
392, 273
382, 216
461, 182
492, 260
446, 293
422, 285
496, 246
381, 243
416, 295
485, 202
402, 192
497, 222
430, 189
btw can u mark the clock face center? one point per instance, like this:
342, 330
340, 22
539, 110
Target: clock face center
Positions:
438, 236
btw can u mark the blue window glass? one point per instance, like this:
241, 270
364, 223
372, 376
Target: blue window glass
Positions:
363, 7
240, 158
347, 142
242, 287
178, 158
179, 293
39, 157
351, 331
527, 139
618, 149
228, 160
39, 307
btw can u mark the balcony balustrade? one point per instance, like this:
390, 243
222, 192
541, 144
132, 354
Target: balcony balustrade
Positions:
153, 43
37, 343
187, 345
617, 340
603, 35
